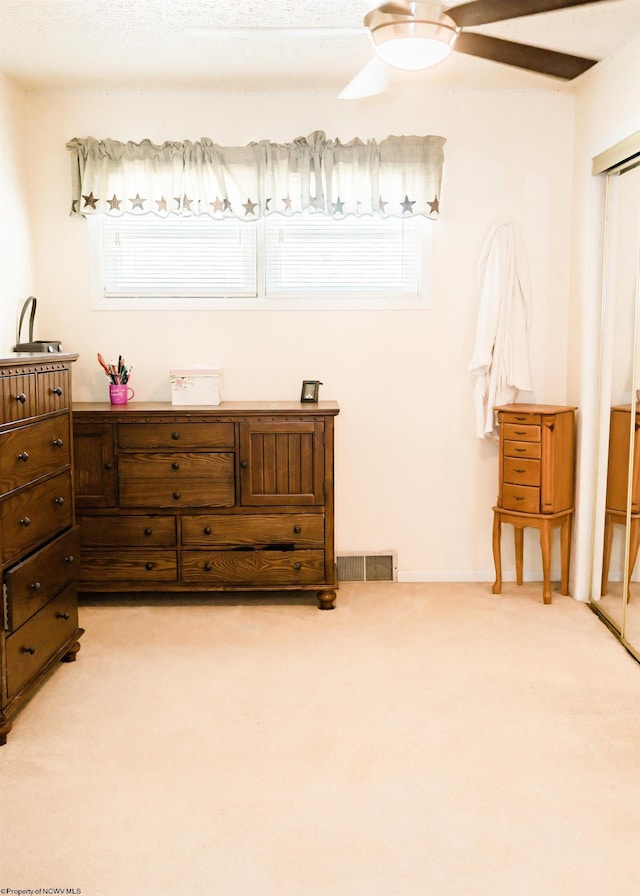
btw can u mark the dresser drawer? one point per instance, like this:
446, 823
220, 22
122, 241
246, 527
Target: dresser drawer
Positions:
299, 529
253, 567
29, 648
30, 517
521, 432
521, 472
128, 531
176, 435
18, 397
103, 567
32, 583
523, 498
162, 493
32, 451
54, 391
522, 449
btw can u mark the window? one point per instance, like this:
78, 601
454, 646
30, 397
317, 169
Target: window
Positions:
305, 261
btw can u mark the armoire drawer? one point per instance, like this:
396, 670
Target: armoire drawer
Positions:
177, 436
128, 531
522, 498
103, 566
521, 471
32, 583
54, 391
31, 516
35, 642
253, 567
299, 529
32, 451
19, 397
521, 432
522, 449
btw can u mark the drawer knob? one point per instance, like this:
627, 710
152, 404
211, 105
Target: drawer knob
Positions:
175, 465
208, 566
148, 531
29, 650
297, 566
64, 615
207, 530
21, 398
57, 391
59, 501
25, 521
297, 529
108, 466
244, 464
149, 566
175, 436
57, 443
36, 586
24, 457
176, 496
69, 558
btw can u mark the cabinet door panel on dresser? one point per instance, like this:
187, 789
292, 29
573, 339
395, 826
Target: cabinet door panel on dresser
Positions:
39, 544
233, 497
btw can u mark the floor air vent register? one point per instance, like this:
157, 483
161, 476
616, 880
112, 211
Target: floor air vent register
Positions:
367, 567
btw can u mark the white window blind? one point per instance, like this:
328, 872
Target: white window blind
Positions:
149, 257
365, 256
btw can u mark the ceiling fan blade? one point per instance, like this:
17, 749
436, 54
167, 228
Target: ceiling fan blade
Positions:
370, 81
395, 9
482, 12
534, 59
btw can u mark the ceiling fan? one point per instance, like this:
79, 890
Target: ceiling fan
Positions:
413, 35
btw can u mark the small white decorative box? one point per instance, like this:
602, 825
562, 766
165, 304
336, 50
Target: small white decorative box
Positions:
196, 385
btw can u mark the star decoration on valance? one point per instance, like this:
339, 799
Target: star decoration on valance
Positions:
249, 207
217, 205
90, 201
137, 202
162, 204
114, 203
407, 204
338, 207
434, 206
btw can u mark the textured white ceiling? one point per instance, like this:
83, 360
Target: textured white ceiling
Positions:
138, 44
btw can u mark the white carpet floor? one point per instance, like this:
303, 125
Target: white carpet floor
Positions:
420, 740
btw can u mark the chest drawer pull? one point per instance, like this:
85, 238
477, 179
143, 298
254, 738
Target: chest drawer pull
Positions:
69, 558
297, 529
175, 465
24, 457
244, 464
148, 531
518, 470
175, 436
57, 443
520, 450
207, 530
29, 650
297, 566
21, 398
176, 496
108, 467
57, 391
64, 615
208, 567
59, 501
521, 432
519, 497
149, 566
25, 521
36, 586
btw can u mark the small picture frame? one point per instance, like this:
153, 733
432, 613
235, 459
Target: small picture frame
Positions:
310, 390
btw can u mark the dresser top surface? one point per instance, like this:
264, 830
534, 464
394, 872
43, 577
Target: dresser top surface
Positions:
19, 359
225, 408
535, 408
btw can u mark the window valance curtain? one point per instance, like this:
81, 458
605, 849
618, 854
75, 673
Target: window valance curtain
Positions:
398, 176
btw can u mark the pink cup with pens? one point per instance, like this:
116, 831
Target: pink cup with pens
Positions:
119, 393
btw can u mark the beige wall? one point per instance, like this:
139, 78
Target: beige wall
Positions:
410, 473
16, 261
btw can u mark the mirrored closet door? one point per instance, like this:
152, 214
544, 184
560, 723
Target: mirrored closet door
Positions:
616, 579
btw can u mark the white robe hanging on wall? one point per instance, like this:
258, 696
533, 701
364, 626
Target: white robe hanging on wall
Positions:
500, 360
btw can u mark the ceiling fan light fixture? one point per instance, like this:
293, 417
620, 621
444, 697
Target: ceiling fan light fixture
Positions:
415, 40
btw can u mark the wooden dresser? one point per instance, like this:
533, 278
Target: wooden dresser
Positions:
237, 497
38, 540
536, 483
